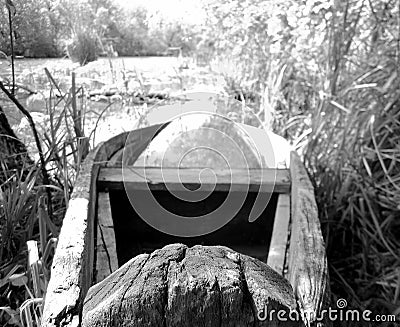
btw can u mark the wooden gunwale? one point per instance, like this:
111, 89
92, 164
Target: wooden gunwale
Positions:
307, 262
297, 240
72, 268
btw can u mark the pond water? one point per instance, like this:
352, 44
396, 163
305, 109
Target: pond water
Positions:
124, 76
161, 65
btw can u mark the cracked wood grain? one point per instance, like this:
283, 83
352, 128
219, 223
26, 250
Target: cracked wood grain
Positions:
178, 286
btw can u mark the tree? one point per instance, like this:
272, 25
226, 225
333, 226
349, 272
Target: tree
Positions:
34, 32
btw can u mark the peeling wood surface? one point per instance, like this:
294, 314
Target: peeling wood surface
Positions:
72, 268
307, 269
180, 286
106, 251
156, 178
71, 263
280, 234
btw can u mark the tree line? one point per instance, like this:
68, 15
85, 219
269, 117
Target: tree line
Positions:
88, 28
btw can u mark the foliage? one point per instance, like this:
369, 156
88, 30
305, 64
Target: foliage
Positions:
17, 199
138, 34
16, 227
327, 72
85, 23
354, 158
23, 217
83, 48
134, 32
35, 36
87, 28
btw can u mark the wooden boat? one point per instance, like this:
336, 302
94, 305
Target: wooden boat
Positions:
101, 230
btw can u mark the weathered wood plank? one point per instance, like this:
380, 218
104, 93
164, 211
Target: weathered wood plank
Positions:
280, 234
307, 269
71, 273
106, 260
252, 180
72, 269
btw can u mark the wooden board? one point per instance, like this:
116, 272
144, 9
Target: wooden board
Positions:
307, 269
106, 252
155, 178
280, 234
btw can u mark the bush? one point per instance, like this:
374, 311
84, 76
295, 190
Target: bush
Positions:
84, 48
42, 48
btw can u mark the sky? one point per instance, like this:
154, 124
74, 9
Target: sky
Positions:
186, 10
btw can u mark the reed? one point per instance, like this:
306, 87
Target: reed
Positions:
349, 141
24, 213
352, 154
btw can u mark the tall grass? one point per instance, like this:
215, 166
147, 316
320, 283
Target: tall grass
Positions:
338, 101
349, 141
353, 155
23, 209
65, 143
350, 146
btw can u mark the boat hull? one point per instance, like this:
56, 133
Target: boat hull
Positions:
87, 250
